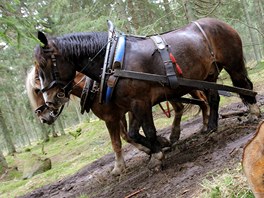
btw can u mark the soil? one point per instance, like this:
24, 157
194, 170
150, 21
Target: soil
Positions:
190, 161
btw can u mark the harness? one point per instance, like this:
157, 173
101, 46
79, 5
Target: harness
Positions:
168, 60
115, 52
88, 93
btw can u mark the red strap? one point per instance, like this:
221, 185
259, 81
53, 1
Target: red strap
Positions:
173, 60
167, 113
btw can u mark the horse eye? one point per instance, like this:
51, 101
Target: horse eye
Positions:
37, 91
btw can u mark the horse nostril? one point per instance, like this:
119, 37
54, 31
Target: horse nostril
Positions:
43, 121
50, 104
38, 112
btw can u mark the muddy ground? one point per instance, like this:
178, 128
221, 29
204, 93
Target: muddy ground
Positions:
185, 166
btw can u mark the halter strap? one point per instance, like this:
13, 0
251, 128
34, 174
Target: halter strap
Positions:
56, 76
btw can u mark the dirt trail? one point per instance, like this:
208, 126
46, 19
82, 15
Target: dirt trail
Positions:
184, 167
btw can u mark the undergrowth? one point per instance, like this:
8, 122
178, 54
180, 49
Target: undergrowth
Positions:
229, 183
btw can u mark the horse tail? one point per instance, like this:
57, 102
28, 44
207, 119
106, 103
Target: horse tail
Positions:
191, 107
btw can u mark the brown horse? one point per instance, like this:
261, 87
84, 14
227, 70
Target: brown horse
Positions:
46, 114
60, 57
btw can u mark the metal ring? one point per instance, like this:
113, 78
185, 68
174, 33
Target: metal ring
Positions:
61, 95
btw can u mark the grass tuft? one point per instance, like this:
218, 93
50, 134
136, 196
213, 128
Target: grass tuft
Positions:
228, 183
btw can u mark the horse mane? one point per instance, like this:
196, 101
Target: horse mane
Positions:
30, 88
82, 43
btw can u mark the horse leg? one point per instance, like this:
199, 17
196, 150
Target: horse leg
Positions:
240, 79
213, 101
114, 131
176, 129
124, 135
204, 107
142, 116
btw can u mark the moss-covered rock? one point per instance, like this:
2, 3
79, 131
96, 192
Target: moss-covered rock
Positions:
35, 165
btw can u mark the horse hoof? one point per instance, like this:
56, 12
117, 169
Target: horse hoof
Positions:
252, 117
163, 141
173, 139
203, 129
116, 172
210, 130
155, 162
118, 169
254, 110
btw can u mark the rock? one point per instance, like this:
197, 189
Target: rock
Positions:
35, 165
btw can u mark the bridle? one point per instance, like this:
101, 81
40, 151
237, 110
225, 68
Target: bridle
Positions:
44, 107
66, 89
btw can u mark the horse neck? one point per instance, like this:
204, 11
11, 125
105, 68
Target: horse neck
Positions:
92, 69
85, 50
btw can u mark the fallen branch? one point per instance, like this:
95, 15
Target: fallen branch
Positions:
135, 193
232, 114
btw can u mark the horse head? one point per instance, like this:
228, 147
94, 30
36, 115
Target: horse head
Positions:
55, 79
44, 113
59, 58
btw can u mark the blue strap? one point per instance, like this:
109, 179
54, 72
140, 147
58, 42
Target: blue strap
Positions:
119, 52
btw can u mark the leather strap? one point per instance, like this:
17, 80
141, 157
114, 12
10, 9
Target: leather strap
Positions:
169, 67
196, 84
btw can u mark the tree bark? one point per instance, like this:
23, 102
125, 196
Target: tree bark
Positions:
168, 14
189, 10
60, 125
133, 15
252, 38
3, 163
258, 4
6, 134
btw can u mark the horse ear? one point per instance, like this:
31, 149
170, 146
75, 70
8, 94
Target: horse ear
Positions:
43, 39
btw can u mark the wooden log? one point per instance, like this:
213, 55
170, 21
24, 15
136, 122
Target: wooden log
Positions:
253, 162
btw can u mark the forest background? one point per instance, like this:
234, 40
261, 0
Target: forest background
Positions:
20, 20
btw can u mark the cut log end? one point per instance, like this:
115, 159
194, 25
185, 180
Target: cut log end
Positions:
253, 161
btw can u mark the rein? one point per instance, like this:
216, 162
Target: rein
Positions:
166, 112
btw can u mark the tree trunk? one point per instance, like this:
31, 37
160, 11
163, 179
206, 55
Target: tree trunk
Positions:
251, 33
3, 163
44, 133
260, 23
189, 10
6, 134
133, 15
78, 114
168, 14
25, 134
53, 130
60, 125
